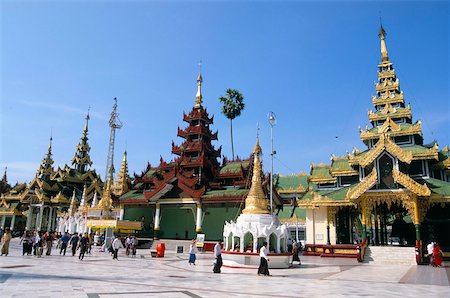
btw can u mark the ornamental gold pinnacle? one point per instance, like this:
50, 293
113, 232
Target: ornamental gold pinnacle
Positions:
256, 201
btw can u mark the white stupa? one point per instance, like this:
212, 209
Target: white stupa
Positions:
255, 225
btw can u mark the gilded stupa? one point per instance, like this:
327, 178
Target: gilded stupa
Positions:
256, 201
254, 226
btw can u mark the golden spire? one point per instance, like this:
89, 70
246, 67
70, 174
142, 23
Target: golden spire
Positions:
121, 186
256, 202
106, 200
382, 34
198, 97
73, 204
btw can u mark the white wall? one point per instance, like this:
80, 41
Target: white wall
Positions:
319, 226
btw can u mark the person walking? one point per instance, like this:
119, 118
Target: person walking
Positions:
27, 243
74, 243
83, 244
295, 252
218, 255
264, 259
64, 240
430, 248
116, 245
49, 242
437, 255
192, 252
134, 244
38, 244
6, 238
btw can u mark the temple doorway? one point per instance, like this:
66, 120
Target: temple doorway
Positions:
391, 225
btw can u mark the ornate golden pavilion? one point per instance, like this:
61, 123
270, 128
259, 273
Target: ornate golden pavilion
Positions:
357, 196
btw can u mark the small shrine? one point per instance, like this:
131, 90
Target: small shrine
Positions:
256, 224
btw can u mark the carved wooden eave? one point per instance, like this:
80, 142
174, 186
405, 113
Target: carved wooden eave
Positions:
384, 144
416, 188
291, 190
339, 172
3, 203
389, 111
367, 183
41, 196
431, 153
60, 198
388, 85
388, 98
392, 129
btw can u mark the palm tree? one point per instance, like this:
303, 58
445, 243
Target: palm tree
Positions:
233, 104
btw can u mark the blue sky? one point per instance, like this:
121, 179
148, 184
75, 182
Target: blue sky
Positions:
312, 63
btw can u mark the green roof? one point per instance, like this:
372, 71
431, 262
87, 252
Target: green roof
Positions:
133, 194
229, 192
150, 173
291, 182
438, 186
415, 149
335, 195
234, 166
322, 171
341, 163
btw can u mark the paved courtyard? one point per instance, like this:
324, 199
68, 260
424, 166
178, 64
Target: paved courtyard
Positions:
99, 276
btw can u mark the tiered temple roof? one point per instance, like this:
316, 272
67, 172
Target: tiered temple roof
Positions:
196, 172
422, 169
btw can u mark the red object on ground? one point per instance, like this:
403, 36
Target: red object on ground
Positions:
160, 249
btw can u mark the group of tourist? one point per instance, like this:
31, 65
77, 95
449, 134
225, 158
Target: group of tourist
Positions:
435, 254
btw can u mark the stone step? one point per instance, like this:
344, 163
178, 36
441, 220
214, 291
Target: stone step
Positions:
390, 255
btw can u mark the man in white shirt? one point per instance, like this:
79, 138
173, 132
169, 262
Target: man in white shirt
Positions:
264, 265
218, 255
430, 248
116, 245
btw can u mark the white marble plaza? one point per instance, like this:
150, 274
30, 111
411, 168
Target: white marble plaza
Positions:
99, 276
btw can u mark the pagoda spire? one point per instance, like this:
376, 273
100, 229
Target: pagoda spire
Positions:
122, 180
73, 204
382, 34
198, 96
81, 159
106, 200
256, 201
46, 168
4, 178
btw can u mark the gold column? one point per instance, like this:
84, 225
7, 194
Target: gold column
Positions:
363, 217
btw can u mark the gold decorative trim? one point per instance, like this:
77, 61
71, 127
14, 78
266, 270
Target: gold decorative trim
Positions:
410, 184
367, 183
384, 143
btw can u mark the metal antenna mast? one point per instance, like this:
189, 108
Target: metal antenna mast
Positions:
114, 123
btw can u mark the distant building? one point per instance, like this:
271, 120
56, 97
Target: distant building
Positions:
52, 194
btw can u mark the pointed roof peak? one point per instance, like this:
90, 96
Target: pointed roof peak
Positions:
257, 149
198, 96
382, 34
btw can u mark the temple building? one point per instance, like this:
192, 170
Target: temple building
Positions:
52, 194
194, 193
396, 191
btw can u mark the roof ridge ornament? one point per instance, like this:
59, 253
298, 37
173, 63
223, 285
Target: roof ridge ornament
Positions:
198, 96
382, 34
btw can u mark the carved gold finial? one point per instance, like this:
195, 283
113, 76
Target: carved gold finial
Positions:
198, 96
256, 202
382, 34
